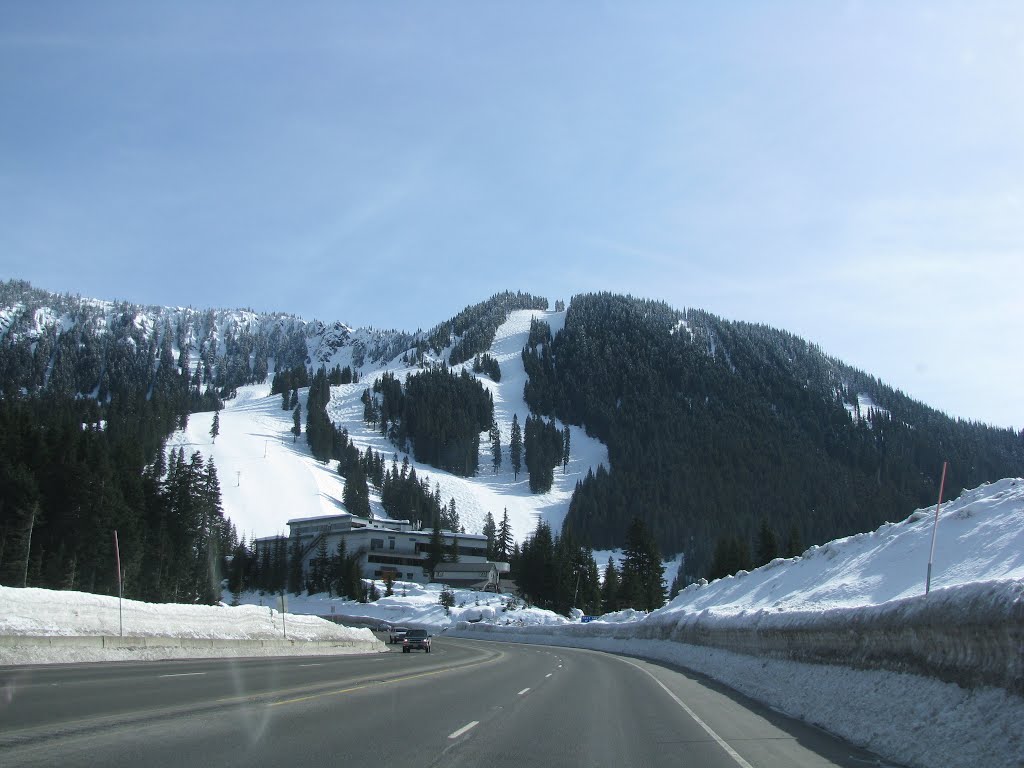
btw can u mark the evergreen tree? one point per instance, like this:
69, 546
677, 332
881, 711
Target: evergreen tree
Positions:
767, 545
495, 435
565, 448
794, 544
505, 541
356, 495
490, 530
452, 550
642, 584
321, 568
447, 599
609, 589
435, 551
215, 427
296, 422
294, 567
515, 448
678, 581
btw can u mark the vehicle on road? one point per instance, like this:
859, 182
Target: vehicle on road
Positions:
383, 627
416, 639
397, 634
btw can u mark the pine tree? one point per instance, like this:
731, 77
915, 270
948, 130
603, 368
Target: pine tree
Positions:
321, 567
643, 585
794, 544
452, 550
515, 448
435, 551
296, 422
767, 545
490, 531
565, 448
215, 428
504, 541
495, 435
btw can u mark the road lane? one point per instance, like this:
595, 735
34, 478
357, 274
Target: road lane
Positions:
469, 703
66, 696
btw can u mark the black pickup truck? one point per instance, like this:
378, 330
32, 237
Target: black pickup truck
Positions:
416, 638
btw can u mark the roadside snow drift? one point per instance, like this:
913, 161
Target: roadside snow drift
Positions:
46, 626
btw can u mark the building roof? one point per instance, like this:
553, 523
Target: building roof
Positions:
322, 518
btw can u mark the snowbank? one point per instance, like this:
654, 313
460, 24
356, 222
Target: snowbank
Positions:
40, 626
418, 605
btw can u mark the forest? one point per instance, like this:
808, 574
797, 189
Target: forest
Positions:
715, 428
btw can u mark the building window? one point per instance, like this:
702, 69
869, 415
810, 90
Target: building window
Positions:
376, 544
391, 542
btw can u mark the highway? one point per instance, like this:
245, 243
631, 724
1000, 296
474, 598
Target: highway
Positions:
467, 703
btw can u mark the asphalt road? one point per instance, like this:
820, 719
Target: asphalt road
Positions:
467, 703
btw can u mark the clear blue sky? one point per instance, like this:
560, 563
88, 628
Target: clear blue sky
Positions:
851, 172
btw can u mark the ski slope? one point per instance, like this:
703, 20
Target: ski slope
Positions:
267, 478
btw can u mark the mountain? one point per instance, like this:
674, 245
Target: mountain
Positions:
721, 437
719, 430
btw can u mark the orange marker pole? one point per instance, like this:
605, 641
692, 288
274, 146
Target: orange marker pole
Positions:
935, 529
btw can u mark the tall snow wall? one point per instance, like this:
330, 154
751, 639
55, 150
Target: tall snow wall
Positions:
971, 635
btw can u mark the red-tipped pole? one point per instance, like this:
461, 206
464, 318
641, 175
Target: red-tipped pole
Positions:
935, 529
120, 590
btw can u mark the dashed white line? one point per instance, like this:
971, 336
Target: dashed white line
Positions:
522, 691
309, 665
549, 674
184, 674
464, 729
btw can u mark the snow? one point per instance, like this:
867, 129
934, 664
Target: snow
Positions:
419, 605
29, 614
864, 405
487, 491
267, 479
980, 538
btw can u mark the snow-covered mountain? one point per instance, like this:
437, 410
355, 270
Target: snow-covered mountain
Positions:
267, 477
704, 428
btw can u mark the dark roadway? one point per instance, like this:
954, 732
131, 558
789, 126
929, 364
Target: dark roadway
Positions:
468, 703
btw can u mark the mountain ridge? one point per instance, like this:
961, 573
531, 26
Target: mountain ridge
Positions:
713, 428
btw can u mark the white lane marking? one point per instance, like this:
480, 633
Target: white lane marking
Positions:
549, 674
463, 729
309, 665
522, 691
184, 674
721, 742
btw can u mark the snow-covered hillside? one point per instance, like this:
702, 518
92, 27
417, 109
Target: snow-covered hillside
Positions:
266, 478
980, 539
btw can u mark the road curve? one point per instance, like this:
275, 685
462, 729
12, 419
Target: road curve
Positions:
468, 703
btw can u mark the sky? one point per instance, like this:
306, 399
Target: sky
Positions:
850, 172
